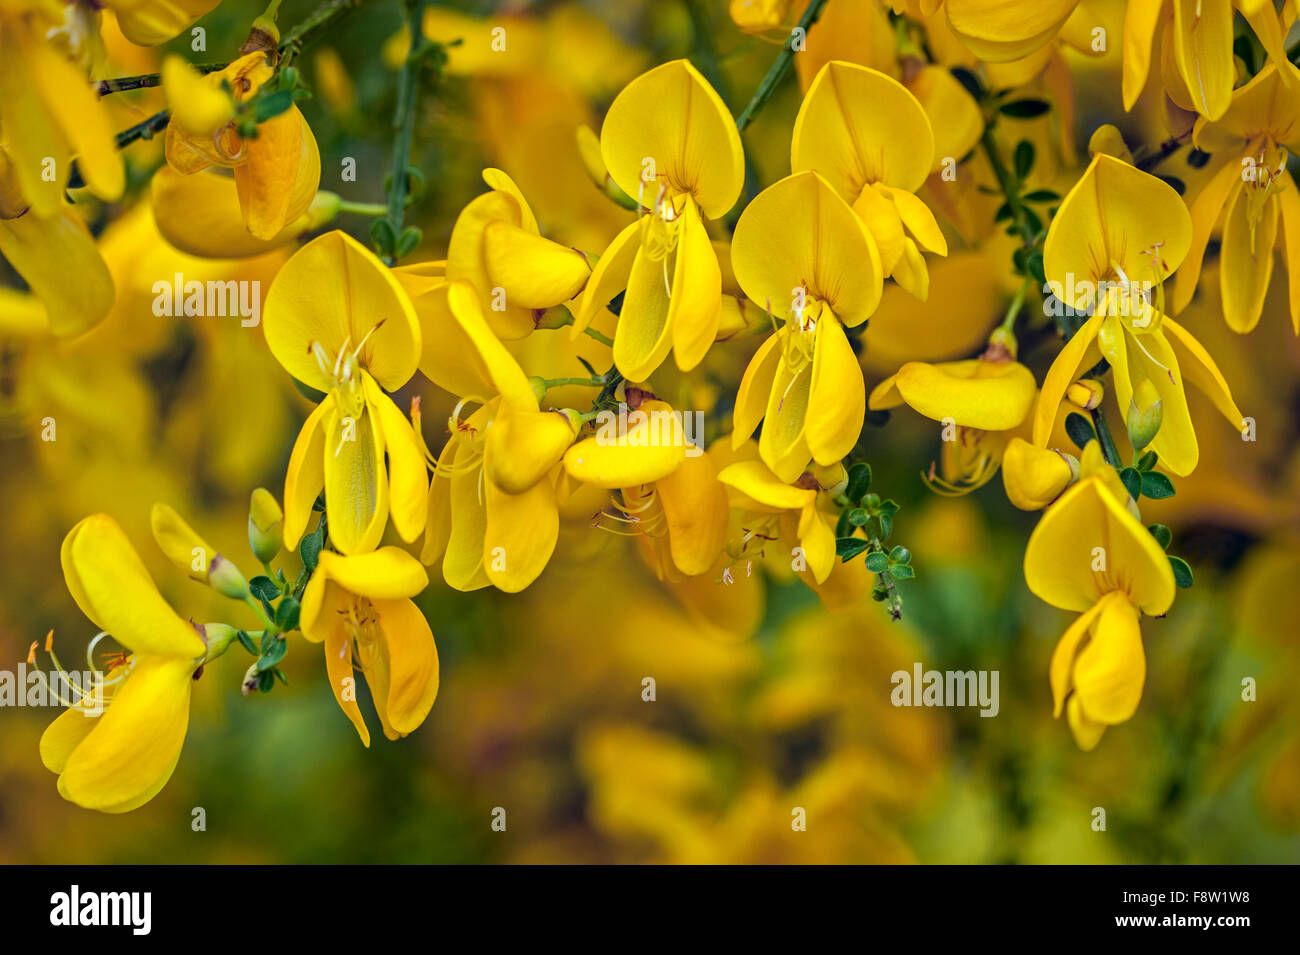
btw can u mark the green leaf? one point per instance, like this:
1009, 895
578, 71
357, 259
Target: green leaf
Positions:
408, 240
902, 572
269, 107
385, 239
858, 516
1147, 461
272, 653
1132, 479
879, 594
1023, 158
286, 615
1183, 576
1034, 266
1024, 108
265, 680
1156, 486
1162, 534
859, 482
850, 547
263, 588
968, 80
247, 643
279, 675
900, 555
1079, 429
877, 562
1042, 195
886, 522
310, 547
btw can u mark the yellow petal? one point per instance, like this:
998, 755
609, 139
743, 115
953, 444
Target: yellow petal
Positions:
466, 358
266, 180
1141, 17
523, 446
1289, 199
110, 584
45, 252
609, 277
755, 386
305, 477
1073, 358
388, 573
643, 336
180, 542
1033, 476
1247, 266
673, 117
520, 534
356, 487
988, 395
462, 564
338, 664
695, 507
858, 126
757, 482
818, 542
798, 234
697, 292
1002, 30
130, 754
837, 396
1111, 669
1206, 209
336, 293
1087, 545
410, 670
534, 272
408, 476
156, 21
652, 448
197, 107
1203, 51
467, 261
1087, 732
1061, 670
954, 115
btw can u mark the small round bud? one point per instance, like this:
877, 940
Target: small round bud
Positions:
1145, 414
225, 578
265, 525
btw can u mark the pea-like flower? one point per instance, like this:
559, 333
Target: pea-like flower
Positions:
339, 322
669, 142
801, 253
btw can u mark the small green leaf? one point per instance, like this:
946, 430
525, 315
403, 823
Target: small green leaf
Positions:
286, 615
1183, 576
902, 571
247, 642
265, 680
968, 80
1147, 461
385, 239
1132, 479
279, 675
309, 549
1042, 195
408, 240
858, 516
273, 652
877, 563
1023, 158
886, 522
1024, 108
1079, 429
1162, 534
263, 588
269, 107
859, 482
879, 594
1157, 486
1034, 266
850, 547
900, 555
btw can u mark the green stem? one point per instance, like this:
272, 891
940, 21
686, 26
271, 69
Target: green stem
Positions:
1007, 184
404, 121
778, 70
363, 208
584, 382
1108, 448
252, 602
1009, 320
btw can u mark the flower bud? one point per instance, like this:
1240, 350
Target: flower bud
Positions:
1034, 476
225, 578
1145, 413
538, 385
218, 637
265, 523
1087, 393
181, 543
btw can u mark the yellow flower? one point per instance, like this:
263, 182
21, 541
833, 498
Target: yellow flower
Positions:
1202, 35
783, 509
801, 253
872, 142
51, 113
45, 248
338, 321
997, 30
118, 760
151, 22
497, 247
1119, 233
979, 401
669, 495
359, 607
493, 516
1034, 476
276, 174
1089, 554
1254, 197
669, 142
